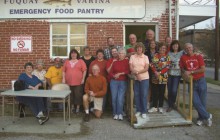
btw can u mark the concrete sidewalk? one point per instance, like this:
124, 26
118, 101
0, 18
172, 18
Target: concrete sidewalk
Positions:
30, 125
98, 129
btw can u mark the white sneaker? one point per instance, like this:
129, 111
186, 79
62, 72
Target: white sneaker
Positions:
199, 122
138, 114
209, 121
153, 109
161, 110
40, 115
144, 116
115, 117
120, 117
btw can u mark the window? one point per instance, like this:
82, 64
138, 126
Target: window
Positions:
66, 36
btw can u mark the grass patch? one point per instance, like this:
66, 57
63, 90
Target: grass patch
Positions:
211, 81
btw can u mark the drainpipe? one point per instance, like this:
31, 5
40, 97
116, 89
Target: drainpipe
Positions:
177, 20
170, 19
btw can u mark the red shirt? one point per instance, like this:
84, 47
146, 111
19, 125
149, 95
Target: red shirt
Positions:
120, 66
108, 64
191, 63
102, 66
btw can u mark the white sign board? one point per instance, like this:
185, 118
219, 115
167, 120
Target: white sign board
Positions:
72, 9
21, 44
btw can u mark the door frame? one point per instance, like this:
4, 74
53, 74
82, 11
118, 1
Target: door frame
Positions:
141, 24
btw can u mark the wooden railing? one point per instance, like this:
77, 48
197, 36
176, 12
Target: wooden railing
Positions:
184, 100
130, 101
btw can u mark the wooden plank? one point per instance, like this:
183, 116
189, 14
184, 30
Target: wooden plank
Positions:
161, 120
172, 118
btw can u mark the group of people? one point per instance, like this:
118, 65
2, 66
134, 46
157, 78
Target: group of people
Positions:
153, 66
39, 79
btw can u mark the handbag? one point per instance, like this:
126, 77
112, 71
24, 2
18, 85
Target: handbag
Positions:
19, 85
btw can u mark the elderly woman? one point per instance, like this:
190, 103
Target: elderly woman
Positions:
139, 64
160, 66
174, 73
36, 104
74, 73
39, 71
118, 84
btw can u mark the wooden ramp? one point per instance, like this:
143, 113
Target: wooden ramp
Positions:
172, 118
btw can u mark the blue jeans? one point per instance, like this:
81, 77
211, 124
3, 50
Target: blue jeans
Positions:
173, 83
140, 95
118, 89
36, 104
199, 98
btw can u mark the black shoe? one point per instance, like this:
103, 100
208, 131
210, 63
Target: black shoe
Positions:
86, 118
42, 121
21, 115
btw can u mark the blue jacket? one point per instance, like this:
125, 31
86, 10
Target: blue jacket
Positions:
29, 81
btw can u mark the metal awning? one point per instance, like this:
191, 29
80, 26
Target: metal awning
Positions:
192, 14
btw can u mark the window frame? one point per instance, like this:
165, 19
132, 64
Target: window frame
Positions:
68, 38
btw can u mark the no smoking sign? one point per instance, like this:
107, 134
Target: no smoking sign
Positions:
21, 44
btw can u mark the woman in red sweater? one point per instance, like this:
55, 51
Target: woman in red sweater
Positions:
118, 84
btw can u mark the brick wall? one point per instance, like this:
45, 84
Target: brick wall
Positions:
11, 64
98, 32
164, 27
163, 19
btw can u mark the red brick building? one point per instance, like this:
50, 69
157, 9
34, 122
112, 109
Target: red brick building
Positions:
55, 34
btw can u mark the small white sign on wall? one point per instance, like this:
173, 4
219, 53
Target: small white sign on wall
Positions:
21, 44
